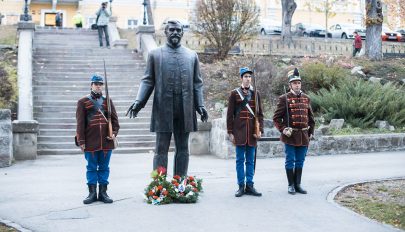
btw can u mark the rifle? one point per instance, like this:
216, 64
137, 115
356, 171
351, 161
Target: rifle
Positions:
110, 131
287, 113
256, 128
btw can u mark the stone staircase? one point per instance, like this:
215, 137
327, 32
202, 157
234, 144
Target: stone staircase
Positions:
63, 62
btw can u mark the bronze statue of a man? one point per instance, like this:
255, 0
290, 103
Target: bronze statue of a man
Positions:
173, 72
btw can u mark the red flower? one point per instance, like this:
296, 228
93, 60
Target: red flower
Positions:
174, 181
161, 170
176, 184
192, 184
177, 177
165, 192
150, 193
191, 178
160, 187
155, 197
195, 189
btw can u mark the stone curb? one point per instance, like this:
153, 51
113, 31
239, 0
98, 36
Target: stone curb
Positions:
332, 194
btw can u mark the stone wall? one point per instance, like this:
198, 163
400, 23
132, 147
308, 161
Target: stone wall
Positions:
6, 138
264, 45
323, 145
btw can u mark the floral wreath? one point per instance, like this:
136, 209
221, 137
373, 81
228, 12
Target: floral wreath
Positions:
187, 189
180, 189
159, 191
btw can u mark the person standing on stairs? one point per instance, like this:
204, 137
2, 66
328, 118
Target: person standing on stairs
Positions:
92, 137
295, 121
103, 18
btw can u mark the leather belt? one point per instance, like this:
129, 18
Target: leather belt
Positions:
300, 129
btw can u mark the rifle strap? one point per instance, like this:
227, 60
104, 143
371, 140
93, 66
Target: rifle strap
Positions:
245, 102
96, 107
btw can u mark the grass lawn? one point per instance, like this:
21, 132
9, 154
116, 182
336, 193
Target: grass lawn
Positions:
4, 228
383, 201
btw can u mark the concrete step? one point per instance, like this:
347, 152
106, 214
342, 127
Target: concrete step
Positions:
72, 132
122, 119
119, 150
113, 82
135, 76
67, 103
85, 88
143, 125
145, 112
121, 138
57, 62
75, 97
71, 144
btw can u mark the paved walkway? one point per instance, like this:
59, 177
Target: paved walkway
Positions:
46, 195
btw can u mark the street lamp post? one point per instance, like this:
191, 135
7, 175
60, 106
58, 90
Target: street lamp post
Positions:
144, 12
25, 17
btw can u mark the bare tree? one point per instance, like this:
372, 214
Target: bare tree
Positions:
374, 20
288, 8
225, 22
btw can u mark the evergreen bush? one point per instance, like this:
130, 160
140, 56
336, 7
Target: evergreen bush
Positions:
361, 103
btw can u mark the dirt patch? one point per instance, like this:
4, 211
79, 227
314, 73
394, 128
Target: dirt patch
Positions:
4, 228
383, 201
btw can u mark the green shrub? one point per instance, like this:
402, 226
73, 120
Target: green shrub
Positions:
315, 76
361, 103
8, 87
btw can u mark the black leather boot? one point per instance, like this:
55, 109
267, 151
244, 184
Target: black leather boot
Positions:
290, 178
297, 175
92, 194
240, 191
102, 194
250, 190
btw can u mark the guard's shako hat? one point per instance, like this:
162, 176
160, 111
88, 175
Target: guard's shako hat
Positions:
293, 75
244, 70
97, 79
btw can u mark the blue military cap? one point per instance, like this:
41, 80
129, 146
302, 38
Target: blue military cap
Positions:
97, 79
244, 70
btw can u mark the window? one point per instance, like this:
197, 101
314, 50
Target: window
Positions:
132, 23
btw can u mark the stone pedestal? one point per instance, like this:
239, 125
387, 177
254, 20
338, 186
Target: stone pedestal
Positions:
6, 138
145, 40
25, 139
199, 142
115, 39
25, 105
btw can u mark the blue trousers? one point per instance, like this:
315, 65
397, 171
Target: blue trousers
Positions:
245, 155
98, 168
295, 156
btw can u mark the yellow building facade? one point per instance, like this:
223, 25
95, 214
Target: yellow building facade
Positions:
129, 13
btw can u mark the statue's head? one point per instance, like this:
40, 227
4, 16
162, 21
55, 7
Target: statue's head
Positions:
174, 32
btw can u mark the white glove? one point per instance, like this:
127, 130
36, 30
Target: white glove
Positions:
287, 131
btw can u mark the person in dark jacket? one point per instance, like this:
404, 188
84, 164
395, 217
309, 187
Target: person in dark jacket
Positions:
173, 73
295, 120
240, 125
92, 137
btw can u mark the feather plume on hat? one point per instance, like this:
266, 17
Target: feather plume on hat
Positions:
294, 75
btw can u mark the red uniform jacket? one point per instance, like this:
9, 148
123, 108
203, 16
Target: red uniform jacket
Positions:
301, 118
242, 125
94, 133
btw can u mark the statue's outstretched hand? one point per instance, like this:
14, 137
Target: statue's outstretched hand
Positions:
134, 109
203, 112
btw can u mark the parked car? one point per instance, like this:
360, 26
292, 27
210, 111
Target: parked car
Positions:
390, 35
402, 31
345, 31
270, 27
307, 30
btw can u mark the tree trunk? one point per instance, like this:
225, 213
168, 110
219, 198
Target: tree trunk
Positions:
149, 12
374, 22
288, 9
